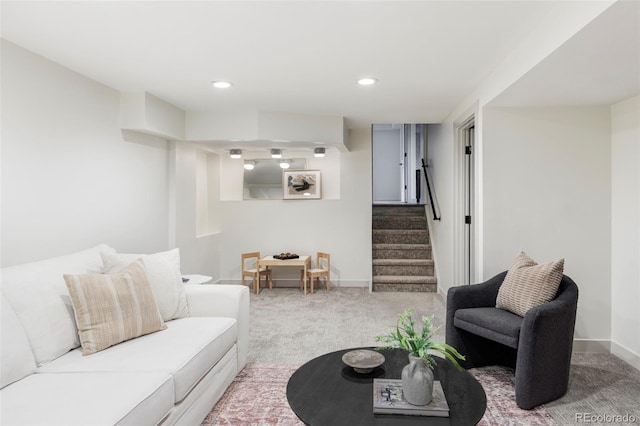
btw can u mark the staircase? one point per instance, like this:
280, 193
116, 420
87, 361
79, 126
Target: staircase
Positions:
401, 249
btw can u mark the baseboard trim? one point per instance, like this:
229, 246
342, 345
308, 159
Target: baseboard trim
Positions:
607, 346
591, 345
626, 355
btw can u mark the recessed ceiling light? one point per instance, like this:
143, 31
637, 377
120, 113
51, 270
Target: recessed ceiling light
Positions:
367, 81
235, 153
249, 165
221, 84
318, 152
276, 153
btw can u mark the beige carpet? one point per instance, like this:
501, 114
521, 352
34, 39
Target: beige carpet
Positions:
288, 329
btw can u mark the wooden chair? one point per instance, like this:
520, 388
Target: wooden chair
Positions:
253, 271
322, 269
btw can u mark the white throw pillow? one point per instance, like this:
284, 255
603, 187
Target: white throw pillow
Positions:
39, 296
15, 351
163, 271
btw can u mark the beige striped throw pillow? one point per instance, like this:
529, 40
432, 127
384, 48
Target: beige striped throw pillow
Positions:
528, 284
113, 308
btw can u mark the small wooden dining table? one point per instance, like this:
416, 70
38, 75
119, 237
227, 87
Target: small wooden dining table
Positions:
303, 262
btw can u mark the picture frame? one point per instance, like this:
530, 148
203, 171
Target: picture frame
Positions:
301, 185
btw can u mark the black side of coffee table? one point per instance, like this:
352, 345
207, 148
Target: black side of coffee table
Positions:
326, 392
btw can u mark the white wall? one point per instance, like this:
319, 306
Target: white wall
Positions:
387, 155
69, 180
440, 162
595, 316
547, 191
340, 226
625, 230
559, 26
199, 248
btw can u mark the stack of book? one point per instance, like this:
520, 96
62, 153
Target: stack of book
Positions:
389, 399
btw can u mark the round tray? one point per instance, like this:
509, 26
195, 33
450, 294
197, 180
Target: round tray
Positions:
363, 361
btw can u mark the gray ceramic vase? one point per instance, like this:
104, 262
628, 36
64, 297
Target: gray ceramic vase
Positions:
417, 382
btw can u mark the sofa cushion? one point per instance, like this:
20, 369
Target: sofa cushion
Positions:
39, 297
187, 349
88, 399
15, 353
492, 323
112, 308
163, 270
528, 284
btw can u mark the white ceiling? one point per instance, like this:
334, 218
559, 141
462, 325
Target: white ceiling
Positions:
305, 56
599, 65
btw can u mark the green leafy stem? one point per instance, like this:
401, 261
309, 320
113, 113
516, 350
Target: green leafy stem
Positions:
418, 344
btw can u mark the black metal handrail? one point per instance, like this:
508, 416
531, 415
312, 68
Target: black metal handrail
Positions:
432, 199
418, 189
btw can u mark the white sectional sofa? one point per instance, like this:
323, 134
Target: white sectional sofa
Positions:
173, 376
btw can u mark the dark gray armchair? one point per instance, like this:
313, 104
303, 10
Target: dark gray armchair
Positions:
538, 346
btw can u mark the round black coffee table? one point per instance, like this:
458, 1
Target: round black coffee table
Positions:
326, 392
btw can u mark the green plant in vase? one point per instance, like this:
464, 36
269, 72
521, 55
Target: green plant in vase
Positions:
419, 344
417, 376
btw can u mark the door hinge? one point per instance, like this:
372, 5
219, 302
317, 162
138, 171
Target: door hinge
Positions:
467, 150
467, 220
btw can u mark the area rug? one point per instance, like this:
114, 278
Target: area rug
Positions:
499, 385
257, 397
